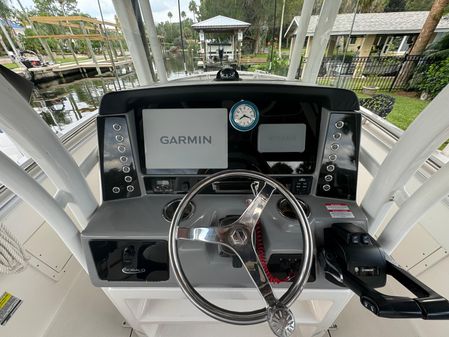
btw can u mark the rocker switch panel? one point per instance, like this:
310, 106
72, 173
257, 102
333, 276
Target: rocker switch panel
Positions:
118, 170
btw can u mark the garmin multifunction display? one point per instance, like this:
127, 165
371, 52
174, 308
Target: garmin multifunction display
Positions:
185, 138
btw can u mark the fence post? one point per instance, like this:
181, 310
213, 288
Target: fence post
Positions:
382, 71
397, 74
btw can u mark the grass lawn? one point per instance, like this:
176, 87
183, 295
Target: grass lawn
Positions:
406, 108
10, 65
384, 83
258, 56
69, 59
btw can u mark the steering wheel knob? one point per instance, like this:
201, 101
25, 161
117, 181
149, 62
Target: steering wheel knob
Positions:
281, 320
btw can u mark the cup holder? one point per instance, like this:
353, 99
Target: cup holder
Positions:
286, 209
169, 210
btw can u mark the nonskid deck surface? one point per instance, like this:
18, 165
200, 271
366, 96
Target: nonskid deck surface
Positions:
87, 312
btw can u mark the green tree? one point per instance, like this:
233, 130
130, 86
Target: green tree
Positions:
170, 30
56, 7
292, 9
418, 5
257, 12
395, 6
439, 50
31, 44
436, 53
194, 9
424, 37
364, 6
428, 29
5, 15
5, 11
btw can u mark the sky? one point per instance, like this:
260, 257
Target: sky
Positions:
160, 8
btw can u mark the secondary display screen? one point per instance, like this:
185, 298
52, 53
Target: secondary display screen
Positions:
281, 138
185, 139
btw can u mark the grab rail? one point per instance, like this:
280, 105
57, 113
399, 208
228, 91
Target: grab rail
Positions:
407, 155
437, 159
71, 141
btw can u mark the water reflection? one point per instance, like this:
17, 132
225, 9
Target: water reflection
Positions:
63, 105
69, 101
174, 64
64, 102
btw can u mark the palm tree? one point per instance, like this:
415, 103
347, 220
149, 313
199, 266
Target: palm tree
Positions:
170, 15
424, 37
434, 17
194, 9
183, 15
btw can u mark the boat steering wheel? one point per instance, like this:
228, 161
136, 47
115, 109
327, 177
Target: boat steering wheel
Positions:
239, 237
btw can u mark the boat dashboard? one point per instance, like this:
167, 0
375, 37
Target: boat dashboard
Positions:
171, 137
156, 143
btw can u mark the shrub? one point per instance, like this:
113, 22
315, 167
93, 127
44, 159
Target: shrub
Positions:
278, 67
435, 78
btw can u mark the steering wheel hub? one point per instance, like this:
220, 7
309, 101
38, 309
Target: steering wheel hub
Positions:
239, 236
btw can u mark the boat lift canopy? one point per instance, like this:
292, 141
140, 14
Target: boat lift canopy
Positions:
222, 24
85, 24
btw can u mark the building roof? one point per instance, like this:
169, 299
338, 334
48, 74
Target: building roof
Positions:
374, 23
220, 22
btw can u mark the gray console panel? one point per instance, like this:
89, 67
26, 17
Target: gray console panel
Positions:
141, 219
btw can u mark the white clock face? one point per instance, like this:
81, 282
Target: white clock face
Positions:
244, 116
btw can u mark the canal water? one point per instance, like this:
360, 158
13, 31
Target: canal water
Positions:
68, 102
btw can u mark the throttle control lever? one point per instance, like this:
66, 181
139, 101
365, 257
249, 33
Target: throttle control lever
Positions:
354, 259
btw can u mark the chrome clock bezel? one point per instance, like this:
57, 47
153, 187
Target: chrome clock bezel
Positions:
239, 127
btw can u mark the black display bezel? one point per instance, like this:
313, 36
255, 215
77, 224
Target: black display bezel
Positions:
309, 113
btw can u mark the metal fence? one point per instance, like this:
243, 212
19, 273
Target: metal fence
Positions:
355, 73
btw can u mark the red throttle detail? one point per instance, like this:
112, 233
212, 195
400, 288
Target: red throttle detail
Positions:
260, 249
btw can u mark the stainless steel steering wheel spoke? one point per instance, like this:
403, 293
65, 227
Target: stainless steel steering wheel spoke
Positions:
251, 215
250, 260
217, 235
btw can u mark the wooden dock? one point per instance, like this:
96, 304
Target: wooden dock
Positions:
253, 60
50, 72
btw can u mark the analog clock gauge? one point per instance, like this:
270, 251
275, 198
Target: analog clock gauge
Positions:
244, 116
